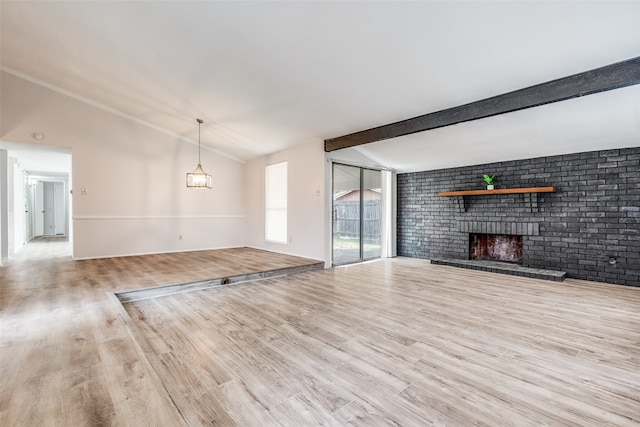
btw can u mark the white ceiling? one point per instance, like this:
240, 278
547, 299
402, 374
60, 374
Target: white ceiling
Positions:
269, 75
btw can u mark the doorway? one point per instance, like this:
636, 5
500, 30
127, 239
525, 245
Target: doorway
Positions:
49, 213
356, 214
37, 200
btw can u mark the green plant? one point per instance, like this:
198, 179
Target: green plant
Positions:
489, 179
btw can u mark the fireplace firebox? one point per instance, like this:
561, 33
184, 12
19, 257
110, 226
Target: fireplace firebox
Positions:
495, 247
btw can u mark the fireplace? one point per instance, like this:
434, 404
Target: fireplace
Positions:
495, 247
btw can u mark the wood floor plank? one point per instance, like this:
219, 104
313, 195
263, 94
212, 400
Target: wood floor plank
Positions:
445, 349
391, 342
301, 410
68, 358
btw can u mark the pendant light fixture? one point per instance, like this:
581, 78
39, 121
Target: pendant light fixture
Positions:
198, 178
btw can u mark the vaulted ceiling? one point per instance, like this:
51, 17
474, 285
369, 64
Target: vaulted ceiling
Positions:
268, 75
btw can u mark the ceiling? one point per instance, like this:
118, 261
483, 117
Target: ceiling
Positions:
269, 75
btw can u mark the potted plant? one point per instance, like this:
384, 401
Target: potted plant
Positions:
489, 180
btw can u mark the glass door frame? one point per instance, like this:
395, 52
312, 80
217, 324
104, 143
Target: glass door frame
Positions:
361, 226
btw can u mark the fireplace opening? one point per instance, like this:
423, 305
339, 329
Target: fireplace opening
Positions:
495, 247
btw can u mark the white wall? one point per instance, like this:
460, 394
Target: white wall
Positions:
136, 200
4, 202
306, 201
12, 206
17, 207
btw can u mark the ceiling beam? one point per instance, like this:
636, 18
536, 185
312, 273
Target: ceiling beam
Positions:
614, 76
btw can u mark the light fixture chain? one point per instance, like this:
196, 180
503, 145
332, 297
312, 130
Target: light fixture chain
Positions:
199, 123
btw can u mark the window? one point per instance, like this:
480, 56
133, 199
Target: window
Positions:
275, 229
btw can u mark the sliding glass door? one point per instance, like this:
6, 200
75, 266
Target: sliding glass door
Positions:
371, 196
357, 208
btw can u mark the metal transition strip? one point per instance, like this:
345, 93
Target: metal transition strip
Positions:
165, 290
143, 346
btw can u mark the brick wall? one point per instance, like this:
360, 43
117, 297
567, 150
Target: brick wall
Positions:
594, 215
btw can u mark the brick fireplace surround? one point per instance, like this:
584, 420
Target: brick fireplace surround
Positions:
593, 217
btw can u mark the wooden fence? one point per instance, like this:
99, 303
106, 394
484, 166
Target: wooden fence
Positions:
346, 219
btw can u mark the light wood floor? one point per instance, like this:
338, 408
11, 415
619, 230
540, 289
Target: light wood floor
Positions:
392, 342
66, 356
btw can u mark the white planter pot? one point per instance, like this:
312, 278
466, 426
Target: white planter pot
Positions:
489, 186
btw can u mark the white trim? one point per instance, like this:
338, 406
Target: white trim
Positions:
388, 220
112, 110
145, 217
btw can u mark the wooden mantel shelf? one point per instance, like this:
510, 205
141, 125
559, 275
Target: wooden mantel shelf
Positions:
498, 191
530, 195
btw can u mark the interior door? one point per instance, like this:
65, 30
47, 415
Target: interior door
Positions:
38, 211
28, 232
59, 211
48, 203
